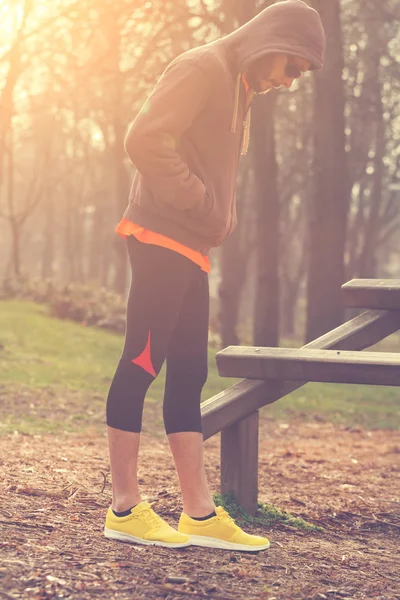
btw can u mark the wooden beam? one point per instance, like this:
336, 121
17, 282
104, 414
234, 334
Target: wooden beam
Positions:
327, 366
239, 462
372, 293
246, 396
239, 401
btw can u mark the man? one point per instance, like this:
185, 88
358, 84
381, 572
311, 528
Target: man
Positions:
186, 143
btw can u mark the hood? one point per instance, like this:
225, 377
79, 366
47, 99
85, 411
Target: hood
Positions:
290, 27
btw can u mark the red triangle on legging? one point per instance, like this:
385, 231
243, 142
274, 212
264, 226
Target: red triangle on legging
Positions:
144, 359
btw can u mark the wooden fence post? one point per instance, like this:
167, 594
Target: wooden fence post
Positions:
239, 461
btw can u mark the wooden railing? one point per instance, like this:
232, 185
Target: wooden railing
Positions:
234, 412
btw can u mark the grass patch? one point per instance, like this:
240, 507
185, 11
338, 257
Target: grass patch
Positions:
55, 374
266, 515
39, 351
369, 406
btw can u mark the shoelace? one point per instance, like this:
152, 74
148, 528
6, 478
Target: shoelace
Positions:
150, 517
224, 516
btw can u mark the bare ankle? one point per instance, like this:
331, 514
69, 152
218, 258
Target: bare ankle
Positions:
122, 504
199, 511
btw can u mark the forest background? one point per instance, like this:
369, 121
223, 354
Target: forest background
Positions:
318, 193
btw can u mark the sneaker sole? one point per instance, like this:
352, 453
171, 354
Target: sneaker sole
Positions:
209, 542
111, 534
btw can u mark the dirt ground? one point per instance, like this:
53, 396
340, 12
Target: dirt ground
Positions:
55, 490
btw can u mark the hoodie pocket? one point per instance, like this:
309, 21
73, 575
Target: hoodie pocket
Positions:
205, 217
202, 209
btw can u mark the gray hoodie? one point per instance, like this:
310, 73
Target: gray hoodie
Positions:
187, 139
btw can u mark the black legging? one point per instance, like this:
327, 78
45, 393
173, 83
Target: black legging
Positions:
167, 318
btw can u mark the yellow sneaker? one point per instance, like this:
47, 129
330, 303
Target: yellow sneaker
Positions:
143, 526
220, 531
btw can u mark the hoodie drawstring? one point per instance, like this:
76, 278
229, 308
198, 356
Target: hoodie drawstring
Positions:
236, 103
247, 122
246, 133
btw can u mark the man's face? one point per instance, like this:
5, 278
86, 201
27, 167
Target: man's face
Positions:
274, 71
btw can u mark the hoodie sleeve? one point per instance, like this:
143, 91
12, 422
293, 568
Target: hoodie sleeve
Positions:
153, 140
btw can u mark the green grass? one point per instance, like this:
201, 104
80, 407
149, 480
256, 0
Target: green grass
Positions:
55, 372
39, 351
266, 515
374, 407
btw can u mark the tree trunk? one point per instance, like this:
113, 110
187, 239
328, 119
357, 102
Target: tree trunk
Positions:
49, 238
97, 236
121, 179
368, 260
78, 241
328, 207
233, 269
289, 299
16, 246
15, 225
266, 316
234, 254
121, 193
6, 99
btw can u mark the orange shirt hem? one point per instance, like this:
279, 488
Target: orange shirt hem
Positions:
126, 227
